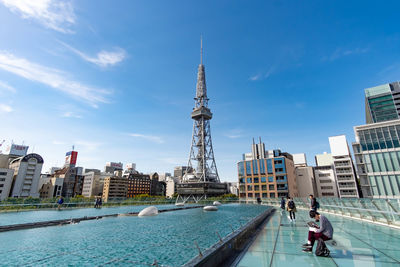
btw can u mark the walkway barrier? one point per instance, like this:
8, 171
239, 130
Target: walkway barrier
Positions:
229, 247
382, 211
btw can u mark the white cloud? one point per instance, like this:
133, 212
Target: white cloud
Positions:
54, 78
56, 15
70, 114
262, 76
5, 108
152, 138
7, 87
103, 58
339, 53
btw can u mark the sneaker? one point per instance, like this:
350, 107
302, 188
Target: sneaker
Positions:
306, 245
307, 250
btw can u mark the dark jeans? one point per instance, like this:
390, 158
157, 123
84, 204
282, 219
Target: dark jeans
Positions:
292, 215
312, 236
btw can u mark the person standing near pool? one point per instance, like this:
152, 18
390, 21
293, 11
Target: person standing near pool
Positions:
60, 201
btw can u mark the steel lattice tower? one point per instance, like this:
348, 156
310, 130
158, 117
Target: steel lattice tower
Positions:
202, 167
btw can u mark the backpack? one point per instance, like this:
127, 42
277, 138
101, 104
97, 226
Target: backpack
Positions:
322, 250
316, 204
291, 204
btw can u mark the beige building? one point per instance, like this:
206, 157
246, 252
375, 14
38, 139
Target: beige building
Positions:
50, 186
94, 182
115, 188
6, 178
304, 176
325, 179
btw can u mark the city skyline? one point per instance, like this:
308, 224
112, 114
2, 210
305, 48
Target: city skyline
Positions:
122, 90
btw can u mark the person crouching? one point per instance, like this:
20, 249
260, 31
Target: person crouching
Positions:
324, 231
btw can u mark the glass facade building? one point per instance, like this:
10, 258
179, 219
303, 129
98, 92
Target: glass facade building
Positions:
267, 177
377, 153
382, 103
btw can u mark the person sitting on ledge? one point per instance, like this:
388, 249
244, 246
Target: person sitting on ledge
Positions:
324, 231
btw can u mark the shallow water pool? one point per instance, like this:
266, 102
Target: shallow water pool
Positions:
167, 238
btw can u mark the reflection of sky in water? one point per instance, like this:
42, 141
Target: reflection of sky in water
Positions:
8, 218
168, 238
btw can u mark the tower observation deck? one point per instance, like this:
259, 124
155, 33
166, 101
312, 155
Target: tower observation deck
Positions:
201, 178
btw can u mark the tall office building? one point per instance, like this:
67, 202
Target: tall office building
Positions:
6, 178
304, 176
111, 167
343, 167
324, 174
93, 182
377, 155
382, 103
269, 177
27, 172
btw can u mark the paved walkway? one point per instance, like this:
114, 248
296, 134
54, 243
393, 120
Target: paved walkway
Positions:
359, 244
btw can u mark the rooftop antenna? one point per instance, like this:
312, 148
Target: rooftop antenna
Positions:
73, 147
260, 139
253, 141
201, 49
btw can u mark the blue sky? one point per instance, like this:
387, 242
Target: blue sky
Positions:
117, 79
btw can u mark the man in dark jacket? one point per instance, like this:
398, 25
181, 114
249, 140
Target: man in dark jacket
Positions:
324, 231
313, 204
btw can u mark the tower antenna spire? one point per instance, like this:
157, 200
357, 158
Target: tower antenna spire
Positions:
201, 49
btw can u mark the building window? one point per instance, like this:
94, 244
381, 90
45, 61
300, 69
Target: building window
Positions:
256, 180
241, 168
250, 195
264, 195
263, 179
249, 180
271, 179
264, 187
269, 166
256, 188
248, 168
255, 168
271, 187
272, 195
257, 195
262, 166
241, 180
249, 188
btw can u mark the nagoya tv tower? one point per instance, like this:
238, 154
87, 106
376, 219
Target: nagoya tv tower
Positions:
201, 179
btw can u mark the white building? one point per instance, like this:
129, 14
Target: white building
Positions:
6, 178
304, 176
343, 167
325, 179
27, 172
93, 183
171, 186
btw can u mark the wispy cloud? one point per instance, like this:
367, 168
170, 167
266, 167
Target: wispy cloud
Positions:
56, 142
7, 87
262, 76
152, 138
103, 58
5, 108
70, 114
88, 145
54, 78
234, 134
56, 15
340, 52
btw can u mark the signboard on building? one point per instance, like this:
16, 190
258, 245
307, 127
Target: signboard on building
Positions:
71, 157
115, 165
18, 150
